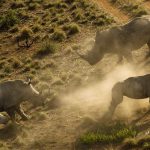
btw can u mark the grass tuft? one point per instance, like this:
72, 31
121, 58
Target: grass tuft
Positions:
72, 28
59, 35
8, 20
17, 4
108, 135
48, 47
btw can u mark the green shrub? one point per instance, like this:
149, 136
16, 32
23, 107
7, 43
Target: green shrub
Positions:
1, 2
16, 64
59, 35
16, 4
135, 10
73, 28
7, 68
108, 134
8, 20
139, 12
25, 35
14, 29
48, 47
27, 68
69, 1
36, 28
32, 6
48, 5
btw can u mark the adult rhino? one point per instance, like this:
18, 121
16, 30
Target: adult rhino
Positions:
13, 93
120, 40
133, 87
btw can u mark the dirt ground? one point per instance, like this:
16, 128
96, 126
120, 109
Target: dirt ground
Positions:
61, 126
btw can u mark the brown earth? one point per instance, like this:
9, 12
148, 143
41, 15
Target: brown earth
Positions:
61, 126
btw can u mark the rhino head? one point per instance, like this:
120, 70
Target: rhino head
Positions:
33, 95
96, 53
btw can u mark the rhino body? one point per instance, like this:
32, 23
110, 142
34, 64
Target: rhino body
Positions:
133, 87
13, 93
120, 40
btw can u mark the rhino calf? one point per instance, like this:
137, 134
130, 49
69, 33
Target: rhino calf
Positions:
13, 93
120, 40
133, 87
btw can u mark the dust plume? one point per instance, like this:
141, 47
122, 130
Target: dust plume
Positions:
94, 99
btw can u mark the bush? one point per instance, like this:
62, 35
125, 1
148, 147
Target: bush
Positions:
135, 10
16, 64
46, 48
7, 68
36, 28
59, 35
1, 2
15, 4
107, 135
73, 28
8, 20
25, 35
14, 29
32, 6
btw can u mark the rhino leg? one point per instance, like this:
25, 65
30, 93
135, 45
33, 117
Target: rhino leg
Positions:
148, 45
11, 113
117, 98
20, 111
148, 55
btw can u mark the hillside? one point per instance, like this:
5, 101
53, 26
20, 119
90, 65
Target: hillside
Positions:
39, 40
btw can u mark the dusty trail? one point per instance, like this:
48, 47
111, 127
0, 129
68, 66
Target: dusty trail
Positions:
119, 16
61, 127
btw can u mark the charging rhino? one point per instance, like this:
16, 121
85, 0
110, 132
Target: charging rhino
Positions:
133, 87
13, 93
120, 40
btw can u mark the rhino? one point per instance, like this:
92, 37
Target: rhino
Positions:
120, 40
134, 87
13, 93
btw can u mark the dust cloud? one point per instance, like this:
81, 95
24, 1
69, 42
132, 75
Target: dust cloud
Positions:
94, 99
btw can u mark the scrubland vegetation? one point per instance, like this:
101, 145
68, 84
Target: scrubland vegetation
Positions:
38, 39
132, 7
43, 24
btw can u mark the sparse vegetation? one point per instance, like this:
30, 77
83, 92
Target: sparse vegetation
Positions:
135, 10
132, 7
58, 35
25, 35
143, 143
17, 4
54, 25
47, 47
8, 20
32, 6
36, 28
72, 28
108, 135
7, 68
16, 64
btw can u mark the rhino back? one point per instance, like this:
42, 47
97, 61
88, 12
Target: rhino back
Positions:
139, 23
137, 87
10, 93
